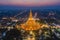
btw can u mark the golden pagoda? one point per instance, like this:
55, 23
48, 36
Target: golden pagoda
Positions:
31, 24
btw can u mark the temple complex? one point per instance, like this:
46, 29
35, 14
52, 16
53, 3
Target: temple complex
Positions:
31, 23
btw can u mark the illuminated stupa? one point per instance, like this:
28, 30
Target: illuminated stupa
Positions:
31, 24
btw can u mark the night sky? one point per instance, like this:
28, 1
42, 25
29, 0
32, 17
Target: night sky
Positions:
30, 2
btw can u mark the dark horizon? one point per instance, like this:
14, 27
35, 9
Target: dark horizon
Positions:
58, 5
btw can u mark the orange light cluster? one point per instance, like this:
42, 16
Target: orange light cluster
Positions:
29, 28
31, 24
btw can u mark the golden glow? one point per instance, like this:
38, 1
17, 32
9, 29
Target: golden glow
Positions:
30, 38
31, 24
33, 36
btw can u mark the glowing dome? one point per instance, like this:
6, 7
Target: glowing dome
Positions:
31, 24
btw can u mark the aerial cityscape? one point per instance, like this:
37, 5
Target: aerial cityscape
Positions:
29, 19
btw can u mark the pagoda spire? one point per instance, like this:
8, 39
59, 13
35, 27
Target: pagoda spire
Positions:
30, 16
